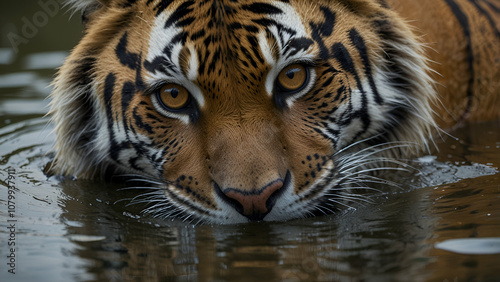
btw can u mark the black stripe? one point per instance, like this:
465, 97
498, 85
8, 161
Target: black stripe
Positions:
253, 42
344, 58
298, 44
133, 163
83, 72
486, 15
262, 8
399, 76
249, 56
128, 92
185, 22
197, 35
359, 43
140, 124
265, 22
159, 64
128, 59
109, 86
329, 23
82, 75
341, 93
492, 6
179, 13
325, 29
180, 37
213, 62
139, 83
161, 6
464, 22
202, 61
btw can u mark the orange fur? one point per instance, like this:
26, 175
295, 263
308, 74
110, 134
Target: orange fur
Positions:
437, 27
369, 99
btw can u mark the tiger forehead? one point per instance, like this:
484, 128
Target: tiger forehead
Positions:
227, 38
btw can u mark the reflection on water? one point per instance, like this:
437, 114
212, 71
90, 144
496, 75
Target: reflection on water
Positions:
69, 230
471, 246
393, 240
13, 80
6, 56
47, 60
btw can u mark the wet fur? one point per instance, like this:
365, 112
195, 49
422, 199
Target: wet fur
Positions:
101, 94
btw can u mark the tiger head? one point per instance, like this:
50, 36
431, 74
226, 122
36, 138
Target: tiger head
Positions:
241, 111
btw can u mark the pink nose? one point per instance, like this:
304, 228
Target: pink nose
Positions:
256, 204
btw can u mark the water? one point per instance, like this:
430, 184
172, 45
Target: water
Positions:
67, 230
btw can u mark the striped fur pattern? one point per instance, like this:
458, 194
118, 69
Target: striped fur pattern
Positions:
242, 148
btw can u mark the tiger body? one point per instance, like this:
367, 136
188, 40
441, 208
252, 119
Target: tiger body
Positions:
462, 40
239, 111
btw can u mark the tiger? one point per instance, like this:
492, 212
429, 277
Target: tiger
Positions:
268, 110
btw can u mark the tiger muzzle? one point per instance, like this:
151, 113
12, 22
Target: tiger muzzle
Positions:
254, 204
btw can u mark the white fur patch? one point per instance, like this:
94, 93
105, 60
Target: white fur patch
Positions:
289, 19
158, 42
290, 205
266, 49
193, 64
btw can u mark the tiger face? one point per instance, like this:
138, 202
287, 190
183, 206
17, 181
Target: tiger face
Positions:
242, 111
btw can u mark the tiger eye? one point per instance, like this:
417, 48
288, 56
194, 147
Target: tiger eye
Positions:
293, 77
173, 96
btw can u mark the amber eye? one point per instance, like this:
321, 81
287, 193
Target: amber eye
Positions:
174, 97
292, 78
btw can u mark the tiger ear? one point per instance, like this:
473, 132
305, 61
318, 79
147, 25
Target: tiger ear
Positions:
86, 7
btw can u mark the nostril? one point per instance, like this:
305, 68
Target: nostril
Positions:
272, 190
234, 203
255, 204
271, 201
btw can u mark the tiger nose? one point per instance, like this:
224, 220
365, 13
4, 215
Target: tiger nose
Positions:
256, 204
